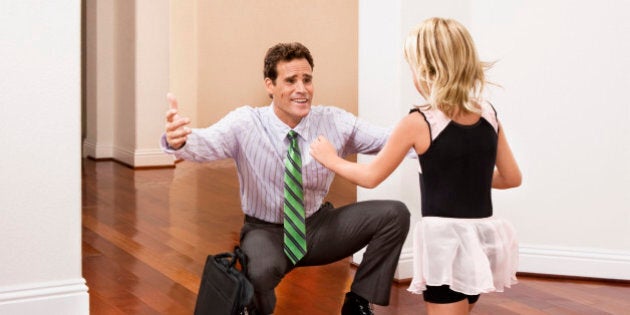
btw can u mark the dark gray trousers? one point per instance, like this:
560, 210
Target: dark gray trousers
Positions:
331, 235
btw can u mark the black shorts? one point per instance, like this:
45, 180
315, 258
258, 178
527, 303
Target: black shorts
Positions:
444, 295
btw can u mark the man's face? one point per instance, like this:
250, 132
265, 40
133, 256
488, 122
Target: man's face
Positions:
293, 91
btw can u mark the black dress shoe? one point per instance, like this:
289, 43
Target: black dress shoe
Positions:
355, 305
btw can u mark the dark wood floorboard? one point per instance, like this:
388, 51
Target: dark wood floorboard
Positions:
146, 235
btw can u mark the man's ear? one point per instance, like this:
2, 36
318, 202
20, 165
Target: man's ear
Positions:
269, 85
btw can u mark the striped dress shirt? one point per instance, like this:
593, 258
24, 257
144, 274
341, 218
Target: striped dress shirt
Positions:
257, 140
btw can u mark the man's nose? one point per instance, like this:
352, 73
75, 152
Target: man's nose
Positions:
299, 87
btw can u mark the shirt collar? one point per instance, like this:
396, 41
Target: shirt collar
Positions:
280, 129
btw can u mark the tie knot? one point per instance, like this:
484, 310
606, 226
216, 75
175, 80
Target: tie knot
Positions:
292, 134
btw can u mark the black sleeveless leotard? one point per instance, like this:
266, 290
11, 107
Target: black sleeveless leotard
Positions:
457, 169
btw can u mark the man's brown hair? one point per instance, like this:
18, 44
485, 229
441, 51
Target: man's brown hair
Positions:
284, 52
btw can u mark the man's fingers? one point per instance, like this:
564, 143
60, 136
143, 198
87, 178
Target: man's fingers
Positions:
174, 125
170, 115
176, 143
176, 130
178, 137
184, 132
172, 101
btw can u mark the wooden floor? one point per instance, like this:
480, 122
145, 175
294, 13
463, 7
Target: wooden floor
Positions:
146, 234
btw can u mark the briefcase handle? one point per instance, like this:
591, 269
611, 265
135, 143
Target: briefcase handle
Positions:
232, 258
242, 259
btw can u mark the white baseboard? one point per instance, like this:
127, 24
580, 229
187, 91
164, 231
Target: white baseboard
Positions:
404, 271
97, 151
68, 297
135, 158
143, 157
549, 260
152, 157
577, 262
123, 155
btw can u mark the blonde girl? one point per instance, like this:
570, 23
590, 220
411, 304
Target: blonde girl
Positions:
460, 249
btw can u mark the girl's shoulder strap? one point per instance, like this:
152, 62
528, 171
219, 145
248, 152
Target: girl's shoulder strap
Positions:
434, 117
489, 113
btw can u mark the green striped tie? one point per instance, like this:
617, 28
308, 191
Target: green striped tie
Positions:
294, 226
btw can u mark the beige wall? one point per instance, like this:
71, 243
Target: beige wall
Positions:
127, 77
232, 38
99, 79
183, 55
210, 55
124, 80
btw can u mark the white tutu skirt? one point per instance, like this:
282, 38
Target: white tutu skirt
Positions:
472, 256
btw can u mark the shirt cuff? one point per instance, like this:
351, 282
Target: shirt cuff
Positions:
167, 148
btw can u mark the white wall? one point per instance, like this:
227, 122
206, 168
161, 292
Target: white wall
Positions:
386, 92
565, 71
40, 191
559, 63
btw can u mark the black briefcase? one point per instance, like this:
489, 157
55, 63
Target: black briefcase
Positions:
224, 289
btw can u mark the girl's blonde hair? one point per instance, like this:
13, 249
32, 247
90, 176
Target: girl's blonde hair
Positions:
442, 55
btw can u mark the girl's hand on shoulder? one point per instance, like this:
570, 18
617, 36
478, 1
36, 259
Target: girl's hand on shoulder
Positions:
323, 151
